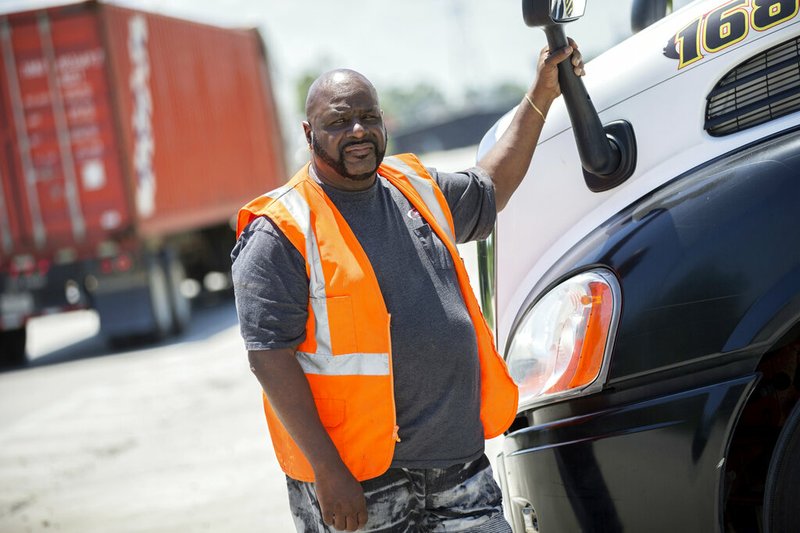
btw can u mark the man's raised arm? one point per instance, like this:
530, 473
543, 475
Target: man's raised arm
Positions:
509, 159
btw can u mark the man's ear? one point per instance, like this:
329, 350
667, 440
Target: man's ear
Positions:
307, 131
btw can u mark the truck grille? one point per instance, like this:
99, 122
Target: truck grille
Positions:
761, 89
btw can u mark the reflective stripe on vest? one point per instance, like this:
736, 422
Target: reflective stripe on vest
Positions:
424, 188
297, 206
351, 364
323, 362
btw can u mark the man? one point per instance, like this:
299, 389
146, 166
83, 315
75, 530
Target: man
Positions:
380, 376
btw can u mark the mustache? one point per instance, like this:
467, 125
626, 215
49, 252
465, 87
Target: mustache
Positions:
363, 141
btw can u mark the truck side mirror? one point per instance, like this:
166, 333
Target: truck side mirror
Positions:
608, 155
539, 13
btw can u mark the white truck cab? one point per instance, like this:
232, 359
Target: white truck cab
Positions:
648, 305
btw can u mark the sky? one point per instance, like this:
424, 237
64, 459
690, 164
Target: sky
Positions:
449, 42
452, 44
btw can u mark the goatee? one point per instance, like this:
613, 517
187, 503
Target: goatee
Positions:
340, 167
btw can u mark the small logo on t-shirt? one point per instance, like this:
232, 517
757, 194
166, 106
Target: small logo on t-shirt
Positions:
413, 214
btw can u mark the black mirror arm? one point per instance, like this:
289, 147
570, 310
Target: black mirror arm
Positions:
599, 155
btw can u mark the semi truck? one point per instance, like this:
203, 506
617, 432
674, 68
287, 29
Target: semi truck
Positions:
127, 142
644, 280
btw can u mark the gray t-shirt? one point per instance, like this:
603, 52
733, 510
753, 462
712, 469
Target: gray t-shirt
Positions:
435, 362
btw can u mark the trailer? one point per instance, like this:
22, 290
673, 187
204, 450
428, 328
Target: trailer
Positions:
127, 141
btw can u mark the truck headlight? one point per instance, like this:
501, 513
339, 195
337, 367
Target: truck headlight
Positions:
560, 346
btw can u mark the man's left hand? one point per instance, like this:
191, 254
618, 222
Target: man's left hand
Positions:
546, 87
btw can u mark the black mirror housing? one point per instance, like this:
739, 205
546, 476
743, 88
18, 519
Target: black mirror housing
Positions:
538, 13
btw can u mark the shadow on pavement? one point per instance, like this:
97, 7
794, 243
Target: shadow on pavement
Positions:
209, 317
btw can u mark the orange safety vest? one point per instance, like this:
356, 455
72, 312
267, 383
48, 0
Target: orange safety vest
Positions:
346, 355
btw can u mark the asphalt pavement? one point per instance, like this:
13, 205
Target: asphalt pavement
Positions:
163, 438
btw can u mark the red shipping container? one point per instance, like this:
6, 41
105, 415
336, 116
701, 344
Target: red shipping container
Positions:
116, 121
128, 142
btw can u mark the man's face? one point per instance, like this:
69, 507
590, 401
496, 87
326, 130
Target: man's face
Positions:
347, 135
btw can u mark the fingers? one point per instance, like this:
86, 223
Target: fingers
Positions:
357, 518
577, 64
572, 43
351, 523
346, 521
327, 515
577, 59
553, 59
341, 500
351, 520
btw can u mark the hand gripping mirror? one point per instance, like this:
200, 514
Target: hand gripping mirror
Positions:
608, 154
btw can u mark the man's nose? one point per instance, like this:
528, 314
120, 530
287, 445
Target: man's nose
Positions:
358, 129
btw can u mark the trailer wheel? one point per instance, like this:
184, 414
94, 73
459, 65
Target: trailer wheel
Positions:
180, 306
782, 497
12, 347
160, 304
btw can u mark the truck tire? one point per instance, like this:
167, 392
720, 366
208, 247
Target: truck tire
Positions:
180, 306
160, 300
12, 347
782, 497
139, 312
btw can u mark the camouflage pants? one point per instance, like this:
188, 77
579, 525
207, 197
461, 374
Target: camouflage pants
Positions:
462, 497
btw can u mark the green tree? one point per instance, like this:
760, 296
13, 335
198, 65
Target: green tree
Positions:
503, 94
422, 102
301, 87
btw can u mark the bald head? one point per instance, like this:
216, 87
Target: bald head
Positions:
344, 129
336, 83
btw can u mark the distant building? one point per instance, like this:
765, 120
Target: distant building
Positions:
448, 133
